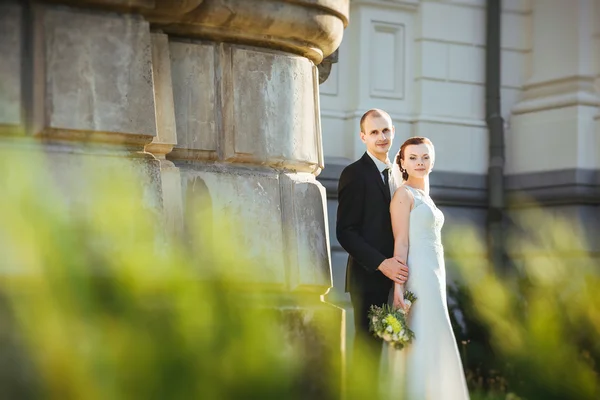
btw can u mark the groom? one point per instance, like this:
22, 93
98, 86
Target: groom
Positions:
364, 229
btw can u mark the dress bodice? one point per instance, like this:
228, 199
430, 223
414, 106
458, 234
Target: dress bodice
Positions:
426, 220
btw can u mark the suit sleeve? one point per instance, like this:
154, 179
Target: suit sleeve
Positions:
351, 202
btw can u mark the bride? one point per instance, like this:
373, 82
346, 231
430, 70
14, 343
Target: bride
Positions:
430, 368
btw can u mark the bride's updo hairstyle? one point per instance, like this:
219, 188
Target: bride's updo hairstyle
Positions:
409, 141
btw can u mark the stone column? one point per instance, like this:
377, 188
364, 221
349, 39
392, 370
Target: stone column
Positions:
246, 100
555, 115
553, 150
216, 103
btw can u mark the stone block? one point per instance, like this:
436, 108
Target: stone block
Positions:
337, 131
83, 178
116, 5
448, 22
10, 65
306, 231
166, 133
471, 157
193, 72
337, 294
233, 219
466, 63
479, 25
434, 59
515, 32
272, 110
516, 6
317, 330
98, 74
452, 99
312, 28
171, 200
568, 135
514, 68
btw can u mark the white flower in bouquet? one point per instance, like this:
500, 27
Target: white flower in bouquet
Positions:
407, 303
389, 329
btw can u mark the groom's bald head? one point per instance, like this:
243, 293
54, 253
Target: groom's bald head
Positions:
372, 113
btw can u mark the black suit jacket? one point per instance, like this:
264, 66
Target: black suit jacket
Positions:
364, 227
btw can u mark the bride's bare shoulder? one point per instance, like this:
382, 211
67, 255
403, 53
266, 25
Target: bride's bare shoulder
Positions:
403, 195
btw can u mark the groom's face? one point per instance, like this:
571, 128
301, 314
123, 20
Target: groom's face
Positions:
378, 134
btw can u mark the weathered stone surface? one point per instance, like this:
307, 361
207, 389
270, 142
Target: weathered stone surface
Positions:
115, 5
274, 222
273, 116
318, 330
82, 175
166, 133
306, 229
10, 64
193, 71
311, 28
242, 212
172, 202
98, 74
236, 112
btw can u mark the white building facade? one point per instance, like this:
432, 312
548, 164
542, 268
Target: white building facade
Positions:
424, 62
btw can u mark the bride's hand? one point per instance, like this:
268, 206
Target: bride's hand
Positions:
399, 297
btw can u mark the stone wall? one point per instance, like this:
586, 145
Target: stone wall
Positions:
424, 63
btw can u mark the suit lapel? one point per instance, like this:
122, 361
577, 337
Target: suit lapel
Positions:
376, 176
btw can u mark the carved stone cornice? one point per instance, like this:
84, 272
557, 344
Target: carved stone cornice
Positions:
558, 93
311, 28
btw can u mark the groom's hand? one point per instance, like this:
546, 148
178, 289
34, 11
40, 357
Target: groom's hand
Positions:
394, 269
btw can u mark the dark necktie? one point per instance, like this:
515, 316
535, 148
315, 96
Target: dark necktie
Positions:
386, 177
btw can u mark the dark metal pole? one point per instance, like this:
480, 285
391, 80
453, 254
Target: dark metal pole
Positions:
495, 123
28, 81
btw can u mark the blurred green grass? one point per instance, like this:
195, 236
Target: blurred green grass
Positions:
533, 327
98, 303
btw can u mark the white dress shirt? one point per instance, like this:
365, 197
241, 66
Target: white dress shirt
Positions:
381, 166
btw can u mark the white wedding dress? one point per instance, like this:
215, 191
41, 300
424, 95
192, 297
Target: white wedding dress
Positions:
430, 368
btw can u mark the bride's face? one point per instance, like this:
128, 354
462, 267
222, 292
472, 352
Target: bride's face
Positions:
418, 160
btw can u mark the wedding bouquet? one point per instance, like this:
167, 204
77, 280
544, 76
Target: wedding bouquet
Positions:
390, 324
